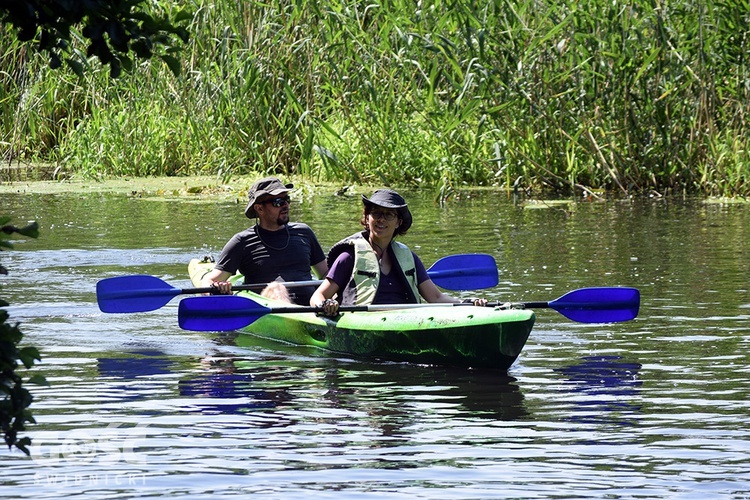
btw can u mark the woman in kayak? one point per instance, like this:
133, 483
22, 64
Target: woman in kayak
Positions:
370, 267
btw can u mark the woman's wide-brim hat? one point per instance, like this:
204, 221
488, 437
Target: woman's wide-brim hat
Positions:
268, 186
387, 198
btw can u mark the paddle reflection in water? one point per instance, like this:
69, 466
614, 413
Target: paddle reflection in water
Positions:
226, 388
137, 363
608, 387
214, 386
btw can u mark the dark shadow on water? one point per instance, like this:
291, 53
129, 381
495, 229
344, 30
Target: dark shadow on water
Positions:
393, 394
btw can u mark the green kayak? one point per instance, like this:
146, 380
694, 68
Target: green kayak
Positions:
480, 337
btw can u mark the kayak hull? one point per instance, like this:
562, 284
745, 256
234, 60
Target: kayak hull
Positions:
467, 336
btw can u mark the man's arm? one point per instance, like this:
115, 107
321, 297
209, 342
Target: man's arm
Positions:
218, 278
320, 269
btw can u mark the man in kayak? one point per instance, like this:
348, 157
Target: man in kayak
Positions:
272, 251
370, 267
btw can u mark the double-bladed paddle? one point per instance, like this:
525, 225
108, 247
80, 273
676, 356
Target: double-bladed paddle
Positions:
231, 312
141, 292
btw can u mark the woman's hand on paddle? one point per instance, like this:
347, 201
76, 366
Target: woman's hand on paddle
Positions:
320, 298
330, 308
480, 302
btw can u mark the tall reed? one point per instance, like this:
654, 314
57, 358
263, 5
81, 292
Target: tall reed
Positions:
566, 96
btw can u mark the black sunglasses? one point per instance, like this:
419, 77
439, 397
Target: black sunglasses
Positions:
278, 202
378, 214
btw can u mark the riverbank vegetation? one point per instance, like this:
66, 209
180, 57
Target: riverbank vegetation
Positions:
530, 95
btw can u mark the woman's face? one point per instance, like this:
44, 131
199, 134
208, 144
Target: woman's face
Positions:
383, 222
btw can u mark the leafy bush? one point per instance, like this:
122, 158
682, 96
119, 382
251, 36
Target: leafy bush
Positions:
14, 412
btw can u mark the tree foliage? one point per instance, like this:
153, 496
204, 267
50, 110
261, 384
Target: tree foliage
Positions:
113, 29
14, 406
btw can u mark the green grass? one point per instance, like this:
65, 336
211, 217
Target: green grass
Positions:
521, 95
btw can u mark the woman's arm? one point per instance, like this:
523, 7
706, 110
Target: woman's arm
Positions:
431, 293
340, 271
323, 297
325, 291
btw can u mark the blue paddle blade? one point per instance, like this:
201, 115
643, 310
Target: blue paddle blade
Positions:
599, 305
218, 313
465, 272
136, 293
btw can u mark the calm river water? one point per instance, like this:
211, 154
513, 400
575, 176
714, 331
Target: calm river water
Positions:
654, 408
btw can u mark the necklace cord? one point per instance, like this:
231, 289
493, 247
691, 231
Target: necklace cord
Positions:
382, 252
288, 238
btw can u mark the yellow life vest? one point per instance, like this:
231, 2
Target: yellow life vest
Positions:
363, 286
